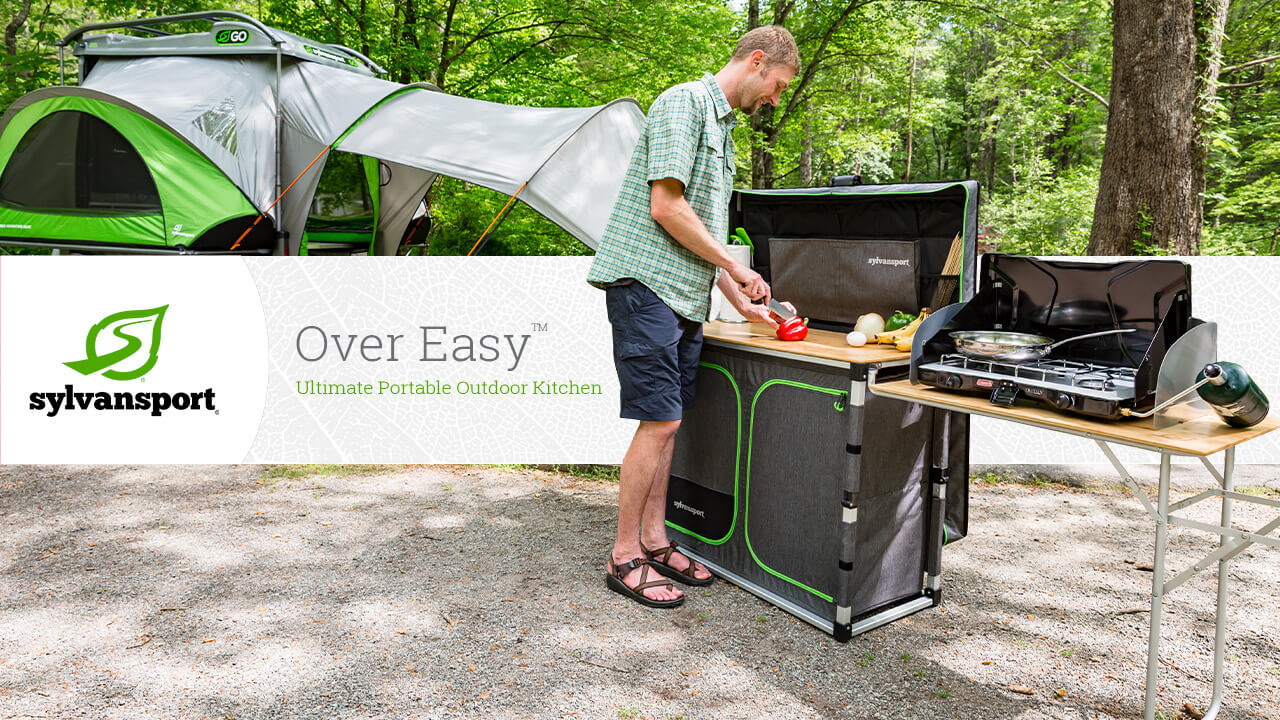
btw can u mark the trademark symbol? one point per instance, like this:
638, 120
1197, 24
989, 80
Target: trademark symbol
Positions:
539, 327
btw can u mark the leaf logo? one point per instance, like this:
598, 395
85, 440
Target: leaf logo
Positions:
131, 327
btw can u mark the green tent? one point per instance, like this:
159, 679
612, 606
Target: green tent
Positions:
249, 139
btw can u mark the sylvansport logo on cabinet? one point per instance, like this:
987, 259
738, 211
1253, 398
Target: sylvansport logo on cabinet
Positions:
122, 347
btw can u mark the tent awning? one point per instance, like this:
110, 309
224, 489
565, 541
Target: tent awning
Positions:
572, 159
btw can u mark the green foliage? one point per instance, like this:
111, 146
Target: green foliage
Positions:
1005, 91
1048, 215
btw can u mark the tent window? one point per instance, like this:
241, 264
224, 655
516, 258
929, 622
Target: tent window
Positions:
342, 191
71, 160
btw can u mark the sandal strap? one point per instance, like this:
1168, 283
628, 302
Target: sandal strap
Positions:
620, 571
691, 571
664, 552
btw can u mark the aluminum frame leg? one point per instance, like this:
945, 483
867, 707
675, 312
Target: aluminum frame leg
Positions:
1220, 629
1157, 589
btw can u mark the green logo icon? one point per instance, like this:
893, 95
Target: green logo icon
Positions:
129, 326
234, 36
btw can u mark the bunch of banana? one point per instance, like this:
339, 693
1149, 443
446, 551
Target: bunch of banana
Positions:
902, 337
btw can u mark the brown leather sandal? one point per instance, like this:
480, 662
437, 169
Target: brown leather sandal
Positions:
615, 583
660, 560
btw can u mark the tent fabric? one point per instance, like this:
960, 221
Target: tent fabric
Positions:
401, 196
575, 157
225, 107
194, 194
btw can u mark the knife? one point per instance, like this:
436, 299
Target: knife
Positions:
780, 309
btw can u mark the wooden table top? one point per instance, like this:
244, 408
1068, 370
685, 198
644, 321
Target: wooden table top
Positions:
819, 343
1200, 432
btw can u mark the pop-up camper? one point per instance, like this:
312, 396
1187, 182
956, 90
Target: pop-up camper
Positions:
217, 141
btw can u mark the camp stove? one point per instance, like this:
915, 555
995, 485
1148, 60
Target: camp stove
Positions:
1099, 377
1085, 387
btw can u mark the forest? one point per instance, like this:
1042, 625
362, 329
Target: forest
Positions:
1093, 126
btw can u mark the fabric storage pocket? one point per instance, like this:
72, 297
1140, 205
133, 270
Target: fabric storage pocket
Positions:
836, 280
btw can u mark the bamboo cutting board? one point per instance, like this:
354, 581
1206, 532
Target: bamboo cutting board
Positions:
819, 343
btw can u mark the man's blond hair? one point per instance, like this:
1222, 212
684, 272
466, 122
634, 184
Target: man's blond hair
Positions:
775, 42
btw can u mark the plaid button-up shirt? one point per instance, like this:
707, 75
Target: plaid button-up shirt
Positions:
688, 137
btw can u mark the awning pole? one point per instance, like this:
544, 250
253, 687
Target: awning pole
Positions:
502, 215
281, 247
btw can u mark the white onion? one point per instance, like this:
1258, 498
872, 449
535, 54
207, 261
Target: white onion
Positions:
869, 325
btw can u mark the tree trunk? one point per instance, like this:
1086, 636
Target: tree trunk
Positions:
11, 30
762, 150
806, 156
1152, 165
911, 86
409, 38
446, 43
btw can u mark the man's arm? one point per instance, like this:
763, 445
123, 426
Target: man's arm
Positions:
669, 209
742, 303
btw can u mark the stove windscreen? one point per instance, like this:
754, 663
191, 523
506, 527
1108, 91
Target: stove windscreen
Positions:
1061, 299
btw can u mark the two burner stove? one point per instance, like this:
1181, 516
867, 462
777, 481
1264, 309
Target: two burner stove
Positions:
1071, 385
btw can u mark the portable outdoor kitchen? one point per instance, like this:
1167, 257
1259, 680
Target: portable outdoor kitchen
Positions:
788, 478
1091, 387
181, 142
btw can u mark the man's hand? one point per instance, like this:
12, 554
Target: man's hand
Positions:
759, 313
750, 283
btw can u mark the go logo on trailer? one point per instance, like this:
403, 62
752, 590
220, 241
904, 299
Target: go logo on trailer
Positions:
231, 36
122, 346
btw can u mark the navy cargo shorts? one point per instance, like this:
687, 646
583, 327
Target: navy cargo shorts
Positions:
655, 351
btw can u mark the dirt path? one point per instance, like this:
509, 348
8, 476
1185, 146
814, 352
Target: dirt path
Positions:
434, 592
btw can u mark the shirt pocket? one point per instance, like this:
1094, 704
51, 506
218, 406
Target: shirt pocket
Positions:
713, 141
719, 148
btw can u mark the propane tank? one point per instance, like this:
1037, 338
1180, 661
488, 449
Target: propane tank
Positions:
1232, 394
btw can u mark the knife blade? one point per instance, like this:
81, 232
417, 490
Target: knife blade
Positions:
780, 309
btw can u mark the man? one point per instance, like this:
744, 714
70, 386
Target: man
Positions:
657, 261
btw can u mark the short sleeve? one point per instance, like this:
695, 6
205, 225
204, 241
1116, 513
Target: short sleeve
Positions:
674, 130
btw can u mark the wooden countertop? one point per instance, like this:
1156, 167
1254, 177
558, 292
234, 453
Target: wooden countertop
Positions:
1199, 433
819, 343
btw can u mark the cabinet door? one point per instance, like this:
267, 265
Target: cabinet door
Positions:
702, 499
795, 469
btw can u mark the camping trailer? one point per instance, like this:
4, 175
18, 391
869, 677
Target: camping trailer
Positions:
218, 142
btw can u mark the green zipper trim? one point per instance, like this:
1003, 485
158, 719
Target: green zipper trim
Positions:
372, 109
746, 494
737, 461
968, 198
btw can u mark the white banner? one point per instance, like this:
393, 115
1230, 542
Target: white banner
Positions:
390, 360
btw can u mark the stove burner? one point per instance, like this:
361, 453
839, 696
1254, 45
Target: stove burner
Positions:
1061, 383
1095, 383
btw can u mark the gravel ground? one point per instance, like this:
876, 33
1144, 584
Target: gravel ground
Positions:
432, 592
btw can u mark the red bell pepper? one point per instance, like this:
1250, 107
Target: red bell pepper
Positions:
792, 328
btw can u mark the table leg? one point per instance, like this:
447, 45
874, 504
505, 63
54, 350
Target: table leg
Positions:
1157, 589
1220, 631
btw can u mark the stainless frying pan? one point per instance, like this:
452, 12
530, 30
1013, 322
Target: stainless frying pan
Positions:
1013, 346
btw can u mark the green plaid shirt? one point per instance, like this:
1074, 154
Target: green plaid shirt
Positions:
688, 136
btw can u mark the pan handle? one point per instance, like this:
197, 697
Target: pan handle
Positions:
1089, 335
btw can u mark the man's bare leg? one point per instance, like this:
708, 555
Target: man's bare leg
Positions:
653, 531
640, 466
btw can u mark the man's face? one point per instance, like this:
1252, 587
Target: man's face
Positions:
764, 86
